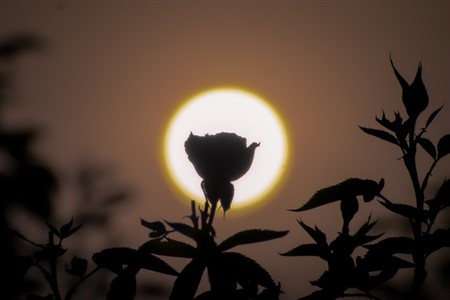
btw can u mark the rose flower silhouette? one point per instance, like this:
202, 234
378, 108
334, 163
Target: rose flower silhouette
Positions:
219, 159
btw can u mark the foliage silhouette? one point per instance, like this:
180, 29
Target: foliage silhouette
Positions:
381, 260
29, 183
231, 275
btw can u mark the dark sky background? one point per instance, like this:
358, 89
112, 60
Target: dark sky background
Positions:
113, 72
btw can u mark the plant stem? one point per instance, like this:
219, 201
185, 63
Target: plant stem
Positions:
73, 290
418, 255
53, 270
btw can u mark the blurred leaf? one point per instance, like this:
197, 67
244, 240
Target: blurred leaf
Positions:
432, 116
187, 282
73, 230
150, 262
184, 229
18, 43
250, 236
116, 197
309, 250
78, 266
114, 259
158, 229
123, 287
64, 230
437, 240
37, 297
428, 146
443, 146
49, 251
22, 237
170, 248
381, 134
53, 229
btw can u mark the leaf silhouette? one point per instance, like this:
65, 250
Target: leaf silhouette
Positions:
318, 236
309, 250
404, 210
428, 146
433, 115
53, 229
153, 263
250, 236
347, 189
158, 229
170, 248
184, 229
442, 197
187, 282
381, 134
393, 245
114, 259
437, 240
246, 269
78, 266
443, 146
123, 287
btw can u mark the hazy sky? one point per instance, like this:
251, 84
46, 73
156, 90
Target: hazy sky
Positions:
113, 72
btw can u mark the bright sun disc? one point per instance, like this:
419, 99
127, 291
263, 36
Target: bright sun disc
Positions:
228, 110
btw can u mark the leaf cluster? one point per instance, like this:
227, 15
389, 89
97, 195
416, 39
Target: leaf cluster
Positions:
381, 260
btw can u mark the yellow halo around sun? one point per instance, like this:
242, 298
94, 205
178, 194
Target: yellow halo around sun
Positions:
228, 110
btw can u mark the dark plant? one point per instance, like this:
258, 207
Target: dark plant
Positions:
365, 273
218, 159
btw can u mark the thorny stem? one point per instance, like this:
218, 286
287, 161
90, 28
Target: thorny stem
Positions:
425, 180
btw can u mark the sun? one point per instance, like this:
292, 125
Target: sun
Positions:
228, 110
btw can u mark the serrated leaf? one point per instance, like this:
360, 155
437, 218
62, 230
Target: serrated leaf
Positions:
187, 282
348, 189
432, 116
250, 236
309, 250
170, 247
393, 245
381, 134
150, 262
184, 229
244, 269
404, 210
114, 259
443, 146
428, 146
365, 228
318, 236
